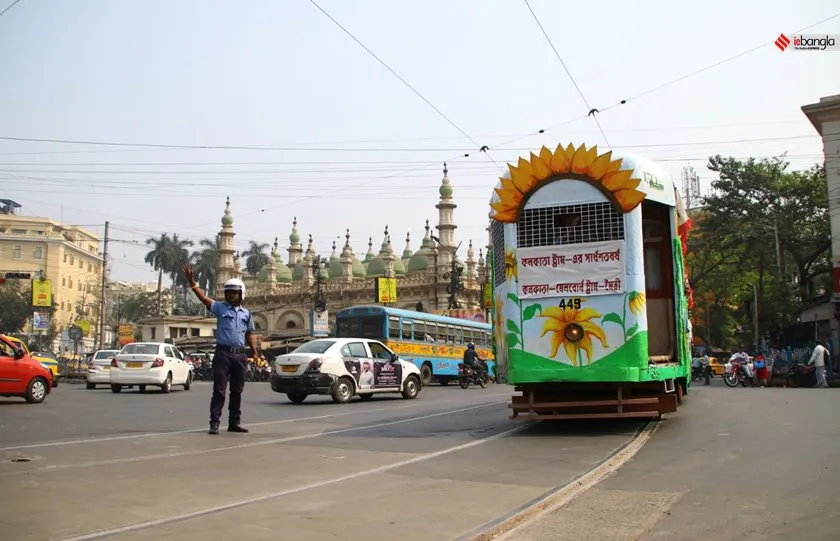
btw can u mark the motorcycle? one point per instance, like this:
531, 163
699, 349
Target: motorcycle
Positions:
801, 375
735, 373
699, 372
467, 375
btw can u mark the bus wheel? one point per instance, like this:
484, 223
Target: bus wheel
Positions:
426, 374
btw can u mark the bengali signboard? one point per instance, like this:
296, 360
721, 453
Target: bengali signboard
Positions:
320, 323
42, 293
40, 321
592, 268
126, 334
386, 290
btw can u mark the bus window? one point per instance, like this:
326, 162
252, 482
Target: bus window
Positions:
420, 331
406, 329
393, 327
432, 332
450, 334
459, 335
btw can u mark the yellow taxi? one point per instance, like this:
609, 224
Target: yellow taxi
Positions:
50, 362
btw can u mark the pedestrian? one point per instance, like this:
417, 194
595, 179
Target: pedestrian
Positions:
818, 358
761, 372
707, 369
234, 326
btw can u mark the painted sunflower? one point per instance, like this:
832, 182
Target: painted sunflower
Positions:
637, 302
557, 321
511, 271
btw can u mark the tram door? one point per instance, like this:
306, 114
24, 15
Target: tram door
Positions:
659, 281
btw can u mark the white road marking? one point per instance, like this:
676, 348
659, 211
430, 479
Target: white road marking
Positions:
508, 527
245, 445
287, 492
196, 430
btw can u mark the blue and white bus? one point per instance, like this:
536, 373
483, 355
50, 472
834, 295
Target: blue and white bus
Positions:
435, 344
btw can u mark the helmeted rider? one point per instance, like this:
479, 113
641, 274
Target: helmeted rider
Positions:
472, 359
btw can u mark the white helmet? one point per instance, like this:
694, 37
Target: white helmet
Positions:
235, 284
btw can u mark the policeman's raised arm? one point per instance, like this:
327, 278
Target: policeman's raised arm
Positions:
205, 300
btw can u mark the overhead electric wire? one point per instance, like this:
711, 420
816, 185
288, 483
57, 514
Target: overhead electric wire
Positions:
589, 108
7, 8
478, 146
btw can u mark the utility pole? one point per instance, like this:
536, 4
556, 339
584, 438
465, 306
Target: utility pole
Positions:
455, 283
755, 317
320, 303
104, 289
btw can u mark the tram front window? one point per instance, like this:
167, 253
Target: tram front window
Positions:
372, 327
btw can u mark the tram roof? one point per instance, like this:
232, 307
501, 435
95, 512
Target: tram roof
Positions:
643, 169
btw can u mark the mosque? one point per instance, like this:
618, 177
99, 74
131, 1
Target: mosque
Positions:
283, 294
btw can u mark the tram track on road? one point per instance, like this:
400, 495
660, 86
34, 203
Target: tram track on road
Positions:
250, 444
121, 437
505, 527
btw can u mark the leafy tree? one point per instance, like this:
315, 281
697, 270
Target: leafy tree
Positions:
734, 250
137, 307
205, 262
15, 306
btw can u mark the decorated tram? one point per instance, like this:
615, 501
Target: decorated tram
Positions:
591, 299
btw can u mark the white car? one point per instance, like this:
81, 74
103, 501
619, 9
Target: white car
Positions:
149, 363
343, 368
99, 367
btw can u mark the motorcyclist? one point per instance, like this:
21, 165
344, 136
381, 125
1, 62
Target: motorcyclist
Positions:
472, 360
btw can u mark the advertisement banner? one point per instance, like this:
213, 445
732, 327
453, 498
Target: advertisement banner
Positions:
40, 321
374, 373
42, 293
470, 315
320, 323
488, 296
586, 269
386, 290
84, 324
126, 334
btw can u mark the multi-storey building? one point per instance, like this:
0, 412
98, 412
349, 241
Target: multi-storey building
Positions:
67, 255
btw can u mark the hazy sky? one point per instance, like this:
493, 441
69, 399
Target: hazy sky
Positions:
281, 74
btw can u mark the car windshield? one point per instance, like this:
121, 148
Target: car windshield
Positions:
140, 349
315, 346
44, 354
105, 354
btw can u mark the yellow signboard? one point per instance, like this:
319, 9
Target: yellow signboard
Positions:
42, 293
386, 290
84, 325
126, 334
435, 350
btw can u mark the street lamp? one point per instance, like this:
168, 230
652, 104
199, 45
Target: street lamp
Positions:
319, 264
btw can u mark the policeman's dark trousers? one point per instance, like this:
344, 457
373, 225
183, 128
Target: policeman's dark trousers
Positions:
228, 367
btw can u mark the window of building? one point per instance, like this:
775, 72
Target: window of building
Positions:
195, 332
19, 231
90, 267
569, 224
154, 332
16, 251
63, 281
72, 260
65, 257
39, 252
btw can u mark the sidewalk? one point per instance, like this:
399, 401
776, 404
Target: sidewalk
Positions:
719, 469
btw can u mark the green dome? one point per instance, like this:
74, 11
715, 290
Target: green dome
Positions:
376, 267
369, 255
336, 269
359, 269
399, 267
227, 219
418, 262
299, 272
284, 273
262, 276
445, 189
294, 238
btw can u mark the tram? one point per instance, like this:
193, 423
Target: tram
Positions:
591, 300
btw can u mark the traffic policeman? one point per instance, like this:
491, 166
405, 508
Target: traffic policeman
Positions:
234, 326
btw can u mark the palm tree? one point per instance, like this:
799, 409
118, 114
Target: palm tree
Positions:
205, 261
159, 257
178, 256
255, 257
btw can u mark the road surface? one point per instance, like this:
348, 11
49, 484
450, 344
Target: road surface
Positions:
133, 466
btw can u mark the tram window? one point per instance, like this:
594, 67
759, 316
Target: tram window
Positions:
419, 331
406, 329
569, 224
653, 267
393, 327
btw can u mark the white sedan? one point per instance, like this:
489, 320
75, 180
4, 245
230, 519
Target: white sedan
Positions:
343, 368
99, 367
149, 363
